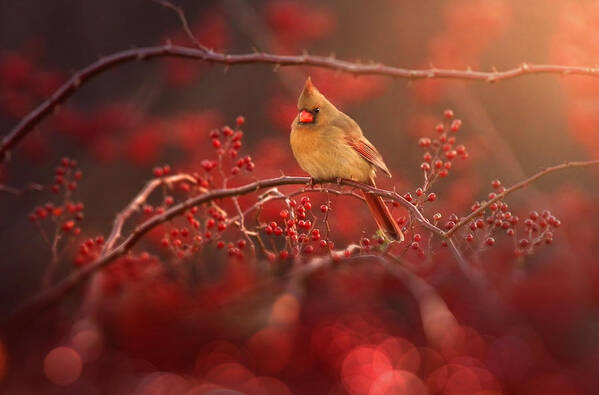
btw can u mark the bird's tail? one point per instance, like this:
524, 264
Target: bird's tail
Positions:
383, 216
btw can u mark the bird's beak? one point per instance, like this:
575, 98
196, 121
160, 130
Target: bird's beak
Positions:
306, 117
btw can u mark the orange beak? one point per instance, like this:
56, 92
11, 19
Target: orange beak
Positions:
306, 117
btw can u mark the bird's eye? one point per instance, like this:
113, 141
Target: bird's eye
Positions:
316, 109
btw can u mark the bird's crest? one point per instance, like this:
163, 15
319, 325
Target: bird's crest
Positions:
311, 97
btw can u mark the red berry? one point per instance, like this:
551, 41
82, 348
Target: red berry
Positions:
240, 120
415, 245
448, 114
67, 226
490, 241
451, 154
220, 244
424, 142
495, 184
469, 237
309, 249
425, 166
216, 143
324, 208
417, 237
419, 192
456, 125
284, 254
440, 128
431, 197
237, 136
284, 214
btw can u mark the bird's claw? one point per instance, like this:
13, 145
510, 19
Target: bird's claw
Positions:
313, 181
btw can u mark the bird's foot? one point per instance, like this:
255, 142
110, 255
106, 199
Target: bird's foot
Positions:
338, 180
313, 181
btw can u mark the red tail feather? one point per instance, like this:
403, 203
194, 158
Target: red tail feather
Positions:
383, 216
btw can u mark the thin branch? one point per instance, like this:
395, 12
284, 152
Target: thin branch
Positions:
513, 188
138, 201
146, 53
184, 23
52, 295
19, 192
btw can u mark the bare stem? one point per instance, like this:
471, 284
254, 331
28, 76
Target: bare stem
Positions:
207, 55
51, 295
514, 188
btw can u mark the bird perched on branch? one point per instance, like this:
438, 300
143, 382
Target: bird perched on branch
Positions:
330, 145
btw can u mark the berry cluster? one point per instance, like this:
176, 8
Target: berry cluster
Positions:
298, 228
536, 228
206, 225
68, 213
89, 250
440, 152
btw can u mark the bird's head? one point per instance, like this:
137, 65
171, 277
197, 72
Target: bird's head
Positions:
313, 108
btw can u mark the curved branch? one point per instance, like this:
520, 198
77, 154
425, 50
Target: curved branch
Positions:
514, 188
52, 295
356, 68
138, 201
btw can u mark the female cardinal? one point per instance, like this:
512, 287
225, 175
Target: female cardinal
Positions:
328, 145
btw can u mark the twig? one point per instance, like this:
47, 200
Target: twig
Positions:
19, 192
146, 53
513, 188
53, 294
184, 23
138, 201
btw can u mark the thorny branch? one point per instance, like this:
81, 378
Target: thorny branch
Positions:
19, 192
53, 294
522, 184
138, 201
29, 122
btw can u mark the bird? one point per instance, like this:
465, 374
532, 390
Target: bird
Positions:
329, 145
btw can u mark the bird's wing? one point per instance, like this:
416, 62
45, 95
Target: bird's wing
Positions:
368, 152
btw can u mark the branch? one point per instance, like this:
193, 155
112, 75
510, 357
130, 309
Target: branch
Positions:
512, 189
19, 192
138, 201
52, 295
146, 53
184, 24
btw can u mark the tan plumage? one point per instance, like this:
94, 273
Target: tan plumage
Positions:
332, 146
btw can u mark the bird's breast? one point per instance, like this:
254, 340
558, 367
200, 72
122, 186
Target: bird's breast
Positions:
325, 155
